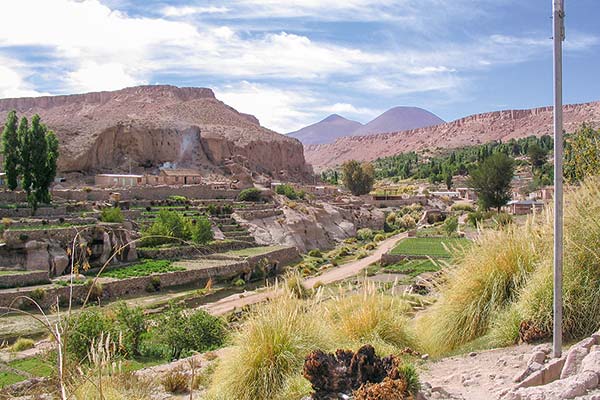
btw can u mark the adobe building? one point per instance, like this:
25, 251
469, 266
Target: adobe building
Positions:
180, 177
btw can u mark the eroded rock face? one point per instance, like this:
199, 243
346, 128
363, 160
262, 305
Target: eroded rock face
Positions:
152, 125
319, 226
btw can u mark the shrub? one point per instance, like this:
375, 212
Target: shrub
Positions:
370, 246
38, 294
289, 192
239, 282
170, 226
95, 289
462, 207
503, 219
379, 237
184, 333
250, 194
22, 344
451, 225
153, 285
315, 253
361, 254
364, 234
294, 284
175, 381
489, 276
132, 324
475, 218
268, 352
111, 214
178, 199
118, 386
84, 328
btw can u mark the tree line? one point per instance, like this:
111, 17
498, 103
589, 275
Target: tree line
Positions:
30, 152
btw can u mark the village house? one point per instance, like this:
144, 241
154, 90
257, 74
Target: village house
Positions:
467, 194
180, 176
522, 207
119, 180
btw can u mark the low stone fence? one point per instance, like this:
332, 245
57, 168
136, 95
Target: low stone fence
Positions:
178, 252
113, 289
26, 212
19, 279
396, 202
18, 237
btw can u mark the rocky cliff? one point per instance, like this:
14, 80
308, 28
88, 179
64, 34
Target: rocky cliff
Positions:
472, 130
316, 226
148, 126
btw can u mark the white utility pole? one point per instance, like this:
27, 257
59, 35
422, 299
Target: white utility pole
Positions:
558, 19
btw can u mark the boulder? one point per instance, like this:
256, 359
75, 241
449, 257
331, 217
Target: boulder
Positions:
574, 358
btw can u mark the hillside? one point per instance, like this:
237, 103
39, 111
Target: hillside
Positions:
472, 130
326, 131
152, 125
399, 119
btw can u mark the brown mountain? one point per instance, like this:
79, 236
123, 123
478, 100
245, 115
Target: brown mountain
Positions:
399, 119
472, 130
326, 131
151, 125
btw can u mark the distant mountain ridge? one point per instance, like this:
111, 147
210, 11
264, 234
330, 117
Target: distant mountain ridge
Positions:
393, 120
326, 131
399, 119
472, 130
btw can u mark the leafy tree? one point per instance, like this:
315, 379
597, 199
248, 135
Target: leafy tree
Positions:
26, 165
10, 150
357, 177
491, 181
537, 155
250, 194
582, 154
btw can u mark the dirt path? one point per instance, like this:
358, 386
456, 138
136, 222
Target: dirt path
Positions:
339, 273
476, 376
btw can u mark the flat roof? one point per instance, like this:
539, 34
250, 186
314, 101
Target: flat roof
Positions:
180, 172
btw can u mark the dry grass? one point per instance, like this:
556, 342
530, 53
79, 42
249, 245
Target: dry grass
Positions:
506, 279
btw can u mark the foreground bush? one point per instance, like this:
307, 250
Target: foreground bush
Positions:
502, 287
289, 192
184, 333
269, 351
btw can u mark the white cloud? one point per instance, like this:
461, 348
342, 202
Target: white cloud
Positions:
350, 110
93, 77
13, 83
172, 11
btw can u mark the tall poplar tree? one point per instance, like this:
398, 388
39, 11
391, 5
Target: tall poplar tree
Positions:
10, 150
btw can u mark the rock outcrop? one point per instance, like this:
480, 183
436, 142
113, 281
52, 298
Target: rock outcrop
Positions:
472, 130
147, 126
312, 226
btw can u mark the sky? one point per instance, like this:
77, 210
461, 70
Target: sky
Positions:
294, 62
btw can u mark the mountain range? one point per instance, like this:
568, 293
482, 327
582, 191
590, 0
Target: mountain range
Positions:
472, 130
393, 120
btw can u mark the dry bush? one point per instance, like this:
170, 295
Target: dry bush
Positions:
176, 381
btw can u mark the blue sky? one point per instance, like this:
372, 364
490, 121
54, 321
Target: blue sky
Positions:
293, 62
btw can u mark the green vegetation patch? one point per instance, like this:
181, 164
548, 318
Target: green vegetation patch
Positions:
4, 273
413, 268
434, 247
145, 268
253, 251
8, 378
34, 366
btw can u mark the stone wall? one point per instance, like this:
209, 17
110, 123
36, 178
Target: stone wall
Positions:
395, 202
24, 279
26, 212
179, 252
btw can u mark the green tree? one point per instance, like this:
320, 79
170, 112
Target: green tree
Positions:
51, 164
25, 167
10, 150
537, 155
357, 177
39, 159
491, 181
582, 154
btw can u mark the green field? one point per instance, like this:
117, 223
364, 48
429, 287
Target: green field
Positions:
145, 268
413, 268
433, 247
34, 366
8, 378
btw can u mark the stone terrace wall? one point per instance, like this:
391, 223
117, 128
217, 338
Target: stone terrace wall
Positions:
142, 192
27, 279
280, 258
26, 212
172, 253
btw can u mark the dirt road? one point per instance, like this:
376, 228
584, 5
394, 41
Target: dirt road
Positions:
339, 273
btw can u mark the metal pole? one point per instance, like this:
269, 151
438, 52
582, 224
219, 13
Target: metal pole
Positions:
558, 16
